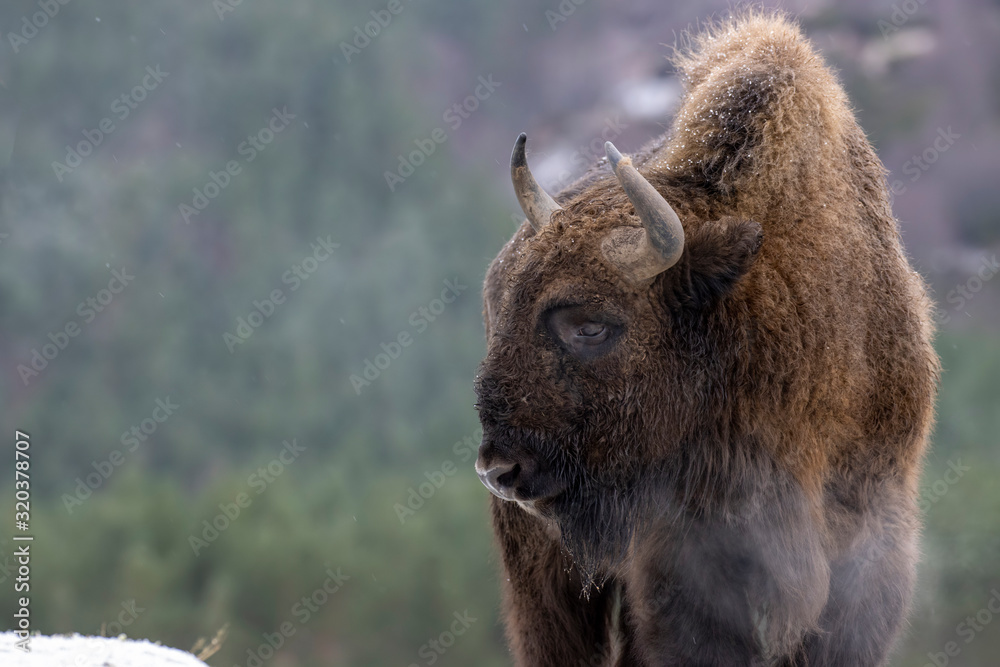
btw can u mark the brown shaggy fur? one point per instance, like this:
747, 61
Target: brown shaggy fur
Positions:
736, 479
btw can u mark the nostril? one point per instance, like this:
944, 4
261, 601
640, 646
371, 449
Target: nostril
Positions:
503, 475
516, 481
508, 479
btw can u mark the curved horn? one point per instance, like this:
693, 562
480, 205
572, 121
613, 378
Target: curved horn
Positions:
537, 205
643, 253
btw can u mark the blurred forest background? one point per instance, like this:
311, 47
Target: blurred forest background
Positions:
376, 497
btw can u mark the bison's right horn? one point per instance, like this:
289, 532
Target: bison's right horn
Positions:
537, 205
643, 253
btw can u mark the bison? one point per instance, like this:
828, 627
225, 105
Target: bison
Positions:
709, 383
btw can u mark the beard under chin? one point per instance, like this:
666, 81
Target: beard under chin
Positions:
598, 522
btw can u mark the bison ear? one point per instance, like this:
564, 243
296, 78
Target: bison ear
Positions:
716, 256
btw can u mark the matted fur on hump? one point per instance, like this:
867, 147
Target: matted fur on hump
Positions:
761, 114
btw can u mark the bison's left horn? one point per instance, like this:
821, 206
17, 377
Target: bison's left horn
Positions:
537, 205
643, 253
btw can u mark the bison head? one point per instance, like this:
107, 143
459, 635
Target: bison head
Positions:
602, 370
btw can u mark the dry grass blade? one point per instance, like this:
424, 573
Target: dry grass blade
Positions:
204, 651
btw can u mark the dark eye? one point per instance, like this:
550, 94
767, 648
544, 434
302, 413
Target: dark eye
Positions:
593, 330
584, 333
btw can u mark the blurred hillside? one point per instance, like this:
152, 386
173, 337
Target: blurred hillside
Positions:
200, 246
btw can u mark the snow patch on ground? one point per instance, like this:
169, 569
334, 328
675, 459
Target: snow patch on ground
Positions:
80, 651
